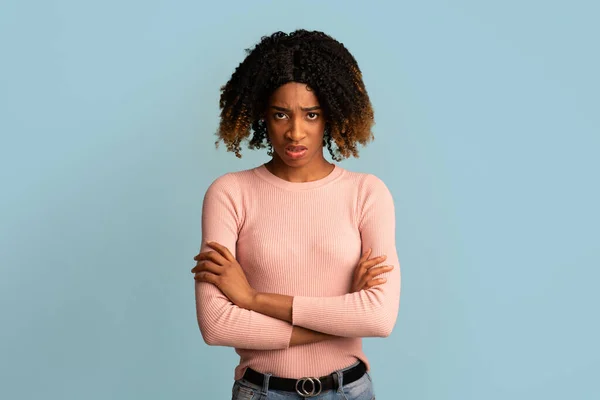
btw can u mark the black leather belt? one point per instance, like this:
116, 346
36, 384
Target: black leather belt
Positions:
309, 386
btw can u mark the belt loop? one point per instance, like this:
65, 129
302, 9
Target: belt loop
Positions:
265, 388
336, 380
339, 377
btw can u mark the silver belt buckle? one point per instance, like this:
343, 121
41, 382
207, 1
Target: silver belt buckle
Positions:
304, 392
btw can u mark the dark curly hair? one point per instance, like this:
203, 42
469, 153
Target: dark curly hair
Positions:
309, 57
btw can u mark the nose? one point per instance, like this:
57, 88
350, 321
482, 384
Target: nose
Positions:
295, 133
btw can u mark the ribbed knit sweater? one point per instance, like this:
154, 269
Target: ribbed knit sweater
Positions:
303, 240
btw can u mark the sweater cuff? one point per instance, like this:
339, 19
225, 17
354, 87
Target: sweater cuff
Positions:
279, 334
300, 310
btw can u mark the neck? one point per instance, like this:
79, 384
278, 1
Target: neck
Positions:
312, 171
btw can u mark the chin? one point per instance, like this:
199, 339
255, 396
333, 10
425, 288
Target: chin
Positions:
296, 163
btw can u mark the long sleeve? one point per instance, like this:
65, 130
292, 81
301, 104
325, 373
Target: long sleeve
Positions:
371, 312
221, 322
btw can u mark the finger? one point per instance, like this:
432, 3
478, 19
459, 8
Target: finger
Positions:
373, 261
364, 266
200, 256
373, 272
208, 266
207, 277
362, 281
224, 251
365, 256
213, 256
359, 274
374, 282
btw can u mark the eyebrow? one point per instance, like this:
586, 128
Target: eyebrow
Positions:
303, 108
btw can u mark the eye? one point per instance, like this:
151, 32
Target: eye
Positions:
279, 115
313, 115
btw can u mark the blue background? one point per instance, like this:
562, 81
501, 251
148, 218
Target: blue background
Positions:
487, 134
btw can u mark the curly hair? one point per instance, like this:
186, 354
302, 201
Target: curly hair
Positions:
309, 57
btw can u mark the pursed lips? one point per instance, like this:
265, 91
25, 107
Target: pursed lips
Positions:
295, 148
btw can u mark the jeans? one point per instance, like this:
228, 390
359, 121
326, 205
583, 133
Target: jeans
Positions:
361, 389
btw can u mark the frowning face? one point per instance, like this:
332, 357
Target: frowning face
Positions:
295, 125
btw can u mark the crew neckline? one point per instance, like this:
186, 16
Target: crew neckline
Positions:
265, 174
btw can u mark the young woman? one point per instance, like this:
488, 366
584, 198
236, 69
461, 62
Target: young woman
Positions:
290, 271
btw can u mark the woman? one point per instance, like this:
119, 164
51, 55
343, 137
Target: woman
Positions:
285, 275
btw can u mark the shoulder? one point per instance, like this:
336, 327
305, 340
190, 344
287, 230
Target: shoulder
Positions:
235, 178
230, 183
373, 182
374, 199
367, 183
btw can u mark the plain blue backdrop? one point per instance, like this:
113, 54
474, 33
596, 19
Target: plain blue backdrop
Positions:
487, 134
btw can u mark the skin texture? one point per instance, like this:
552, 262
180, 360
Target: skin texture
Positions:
295, 117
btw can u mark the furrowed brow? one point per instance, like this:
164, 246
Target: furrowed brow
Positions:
313, 108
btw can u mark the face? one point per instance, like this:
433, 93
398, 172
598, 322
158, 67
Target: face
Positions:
295, 118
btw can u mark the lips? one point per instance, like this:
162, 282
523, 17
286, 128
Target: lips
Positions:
295, 152
295, 148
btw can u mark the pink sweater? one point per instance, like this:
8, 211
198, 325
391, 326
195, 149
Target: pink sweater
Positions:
302, 240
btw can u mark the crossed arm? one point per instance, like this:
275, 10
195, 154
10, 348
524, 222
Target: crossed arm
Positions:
246, 319
223, 323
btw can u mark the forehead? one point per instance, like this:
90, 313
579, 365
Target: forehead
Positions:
294, 94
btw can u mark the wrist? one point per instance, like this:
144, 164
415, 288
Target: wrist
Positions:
252, 302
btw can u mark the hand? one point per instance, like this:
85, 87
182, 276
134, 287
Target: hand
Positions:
364, 274
222, 270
